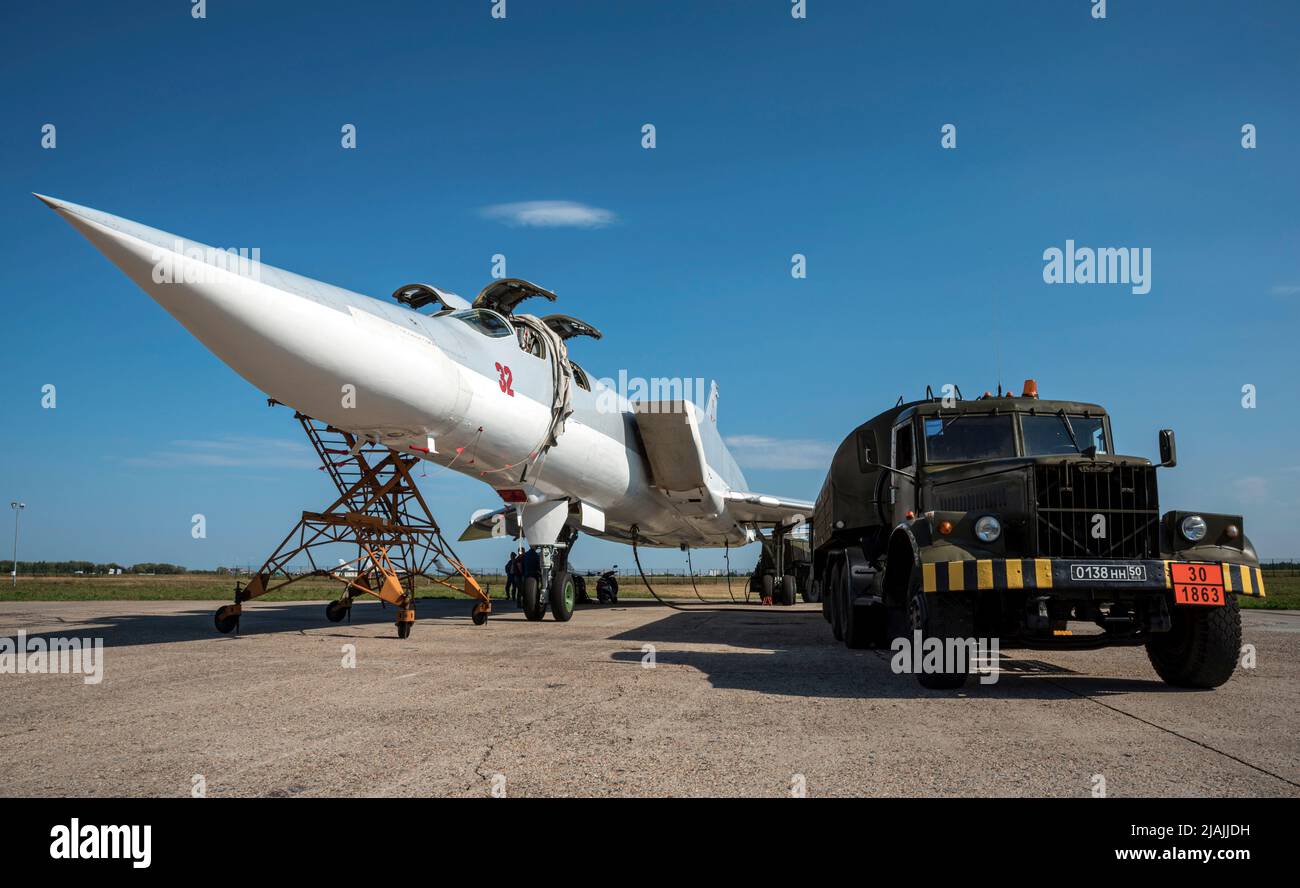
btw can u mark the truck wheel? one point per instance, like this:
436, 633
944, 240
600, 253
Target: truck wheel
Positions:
940, 615
824, 594
836, 593
1201, 648
787, 590
533, 609
812, 592
864, 625
767, 583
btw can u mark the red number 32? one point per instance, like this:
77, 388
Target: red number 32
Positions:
506, 379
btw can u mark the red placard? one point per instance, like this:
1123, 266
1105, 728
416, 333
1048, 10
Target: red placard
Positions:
1200, 584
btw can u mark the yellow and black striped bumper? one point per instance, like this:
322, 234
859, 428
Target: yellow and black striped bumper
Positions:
1054, 573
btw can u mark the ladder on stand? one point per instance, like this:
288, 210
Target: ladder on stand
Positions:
380, 510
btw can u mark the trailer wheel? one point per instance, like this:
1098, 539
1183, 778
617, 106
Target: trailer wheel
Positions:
1201, 648
824, 593
940, 615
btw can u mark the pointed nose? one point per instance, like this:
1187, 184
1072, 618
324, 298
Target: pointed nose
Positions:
301, 341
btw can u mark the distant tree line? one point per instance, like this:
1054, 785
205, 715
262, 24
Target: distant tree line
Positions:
65, 568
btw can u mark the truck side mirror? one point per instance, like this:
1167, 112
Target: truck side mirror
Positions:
1168, 449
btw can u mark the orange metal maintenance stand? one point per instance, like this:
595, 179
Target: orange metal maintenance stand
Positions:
379, 510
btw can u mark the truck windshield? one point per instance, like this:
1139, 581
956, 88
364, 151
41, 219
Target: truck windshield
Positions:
1046, 434
966, 436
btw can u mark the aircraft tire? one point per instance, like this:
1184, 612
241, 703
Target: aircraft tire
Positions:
788, 590
404, 630
335, 611
563, 596
532, 600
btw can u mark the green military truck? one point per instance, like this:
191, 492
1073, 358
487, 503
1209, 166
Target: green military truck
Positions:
1012, 518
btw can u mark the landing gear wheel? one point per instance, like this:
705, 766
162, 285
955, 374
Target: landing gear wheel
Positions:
532, 599
939, 615
335, 611
479, 613
404, 630
767, 585
563, 596
787, 590
1201, 648
224, 620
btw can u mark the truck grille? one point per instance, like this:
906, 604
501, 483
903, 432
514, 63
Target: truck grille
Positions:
1068, 497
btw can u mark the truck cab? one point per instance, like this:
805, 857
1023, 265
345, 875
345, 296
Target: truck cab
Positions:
1013, 518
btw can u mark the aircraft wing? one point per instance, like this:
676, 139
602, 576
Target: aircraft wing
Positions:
764, 509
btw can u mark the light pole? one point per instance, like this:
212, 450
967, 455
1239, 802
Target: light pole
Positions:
18, 510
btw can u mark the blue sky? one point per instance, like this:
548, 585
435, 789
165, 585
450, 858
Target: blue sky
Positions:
775, 136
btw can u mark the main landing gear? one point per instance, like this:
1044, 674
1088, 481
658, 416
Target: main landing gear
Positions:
547, 581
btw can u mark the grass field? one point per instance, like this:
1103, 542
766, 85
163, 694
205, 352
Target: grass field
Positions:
193, 587
1283, 591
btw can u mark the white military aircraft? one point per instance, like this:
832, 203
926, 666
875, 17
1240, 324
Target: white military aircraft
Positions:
476, 387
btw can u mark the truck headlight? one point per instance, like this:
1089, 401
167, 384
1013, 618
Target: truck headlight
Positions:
1193, 528
988, 529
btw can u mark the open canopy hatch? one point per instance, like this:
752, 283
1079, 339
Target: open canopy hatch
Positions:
502, 296
417, 296
567, 327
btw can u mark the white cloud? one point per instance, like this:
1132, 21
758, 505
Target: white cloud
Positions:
762, 452
1251, 489
549, 214
230, 451
1286, 290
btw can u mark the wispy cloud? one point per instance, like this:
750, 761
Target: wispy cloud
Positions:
762, 452
1252, 489
230, 451
549, 214
1286, 290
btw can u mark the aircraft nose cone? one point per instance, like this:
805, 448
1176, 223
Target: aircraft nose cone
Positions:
299, 340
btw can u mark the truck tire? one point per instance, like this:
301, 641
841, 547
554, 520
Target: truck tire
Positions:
837, 602
823, 592
940, 615
1201, 648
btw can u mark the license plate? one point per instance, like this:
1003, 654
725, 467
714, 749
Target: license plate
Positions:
1197, 584
1108, 573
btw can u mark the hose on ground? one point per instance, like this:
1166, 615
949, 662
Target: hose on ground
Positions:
644, 579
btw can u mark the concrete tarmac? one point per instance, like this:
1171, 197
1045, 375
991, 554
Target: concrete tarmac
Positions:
739, 702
